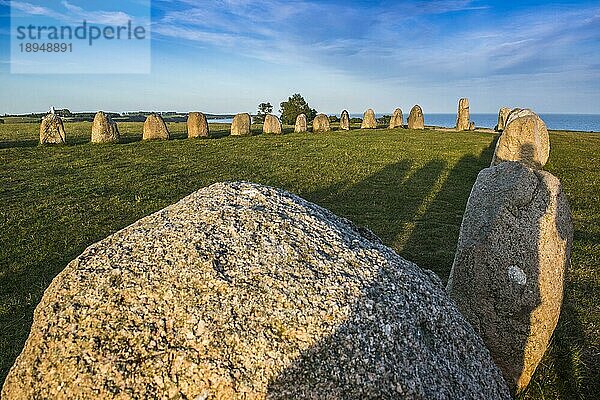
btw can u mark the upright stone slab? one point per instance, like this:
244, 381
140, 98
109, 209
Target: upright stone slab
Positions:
518, 113
345, 121
52, 130
197, 125
463, 119
301, 124
272, 125
155, 128
241, 291
321, 123
397, 120
508, 274
104, 129
471, 126
524, 139
416, 120
241, 125
502, 118
369, 121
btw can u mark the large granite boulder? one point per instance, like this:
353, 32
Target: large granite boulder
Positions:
502, 118
524, 139
104, 129
155, 128
197, 125
272, 125
369, 121
241, 291
416, 120
241, 125
321, 123
345, 121
508, 274
301, 124
463, 118
397, 119
52, 130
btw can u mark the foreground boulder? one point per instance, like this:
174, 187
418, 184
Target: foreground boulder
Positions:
502, 118
345, 121
397, 120
52, 130
155, 128
301, 124
508, 274
416, 120
524, 139
369, 121
321, 123
241, 291
272, 125
197, 125
104, 129
241, 125
463, 118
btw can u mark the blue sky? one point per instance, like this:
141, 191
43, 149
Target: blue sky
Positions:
226, 56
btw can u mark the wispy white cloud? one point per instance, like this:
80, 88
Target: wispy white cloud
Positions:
97, 17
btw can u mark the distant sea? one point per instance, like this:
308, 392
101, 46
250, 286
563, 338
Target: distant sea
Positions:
569, 122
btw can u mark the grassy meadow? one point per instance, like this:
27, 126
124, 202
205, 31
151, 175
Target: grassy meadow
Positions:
409, 187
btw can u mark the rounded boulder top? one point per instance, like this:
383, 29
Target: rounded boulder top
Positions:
244, 291
155, 128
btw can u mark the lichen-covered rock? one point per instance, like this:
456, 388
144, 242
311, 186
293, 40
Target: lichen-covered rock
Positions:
104, 129
508, 274
397, 120
301, 124
463, 118
241, 291
369, 121
524, 139
197, 125
52, 130
272, 125
241, 125
321, 123
416, 120
345, 121
502, 118
155, 128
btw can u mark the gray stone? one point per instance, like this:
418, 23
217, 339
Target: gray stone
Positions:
397, 120
369, 121
52, 130
155, 128
321, 123
463, 119
345, 121
301, 124
241, 291
197, 125
272, 125
416, 120
104, 129
241, 125
508, 274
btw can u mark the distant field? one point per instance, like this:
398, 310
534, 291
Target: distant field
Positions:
409, 187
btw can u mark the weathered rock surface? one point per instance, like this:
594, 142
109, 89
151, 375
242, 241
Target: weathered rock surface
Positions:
301, 124
321, 123
471, 126
369, 121
345, 121
524, 139
272, 125
104, 129
52, 130
243, 291
508, 274
416, 120
197, 125
397, 120
517, 113
241, 125
502, 118
155, 128
463, 118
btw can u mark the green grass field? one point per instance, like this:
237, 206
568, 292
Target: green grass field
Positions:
409, 187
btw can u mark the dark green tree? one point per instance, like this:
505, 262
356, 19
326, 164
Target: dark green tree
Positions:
263, 110
295, 106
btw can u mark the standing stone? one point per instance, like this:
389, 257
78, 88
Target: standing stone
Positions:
155, 128
301, 124
369, 121
463, 116
508, 274
345, 121
502, 118
104, 129
471, 126
197, 125
272, 125
321, 123
416, 120
517, 113
241, 125
524, 139
397, 120
52, 130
